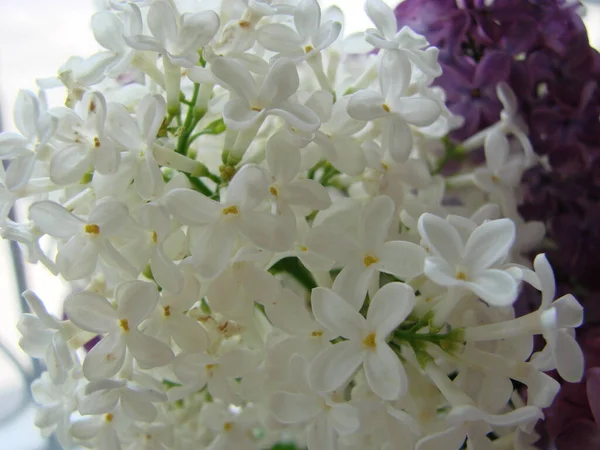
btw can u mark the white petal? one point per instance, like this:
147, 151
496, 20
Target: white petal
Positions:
384, 372
404, 260
165, 272
297, 116
266, 231
329, 242
389, 307
441, 238
235, 77
136, 300
327, 35
78, 258
569, 357
191, 207
396, 137
212, 251
450, 439
344, 418
489, 243
150, 115
110, 216
290, 408
375, 221
26, 113
496, 149
336, 314
53, 219
281, 82
382, 17
189, 334
91, 312
440, 272
308, 193
353, 282
278, 38
248, 188
137, 407
418, 111
283, 159
569, 312
394, 74
546, 277
334, 366
19, 171
495, 287
307, 18
105, 359
366, 105
70, 164
148, 351
348, 156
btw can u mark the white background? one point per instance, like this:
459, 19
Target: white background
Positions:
36, 37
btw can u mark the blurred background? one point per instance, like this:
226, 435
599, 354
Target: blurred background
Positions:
36, 37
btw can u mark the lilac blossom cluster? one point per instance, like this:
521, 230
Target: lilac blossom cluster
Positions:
540, 49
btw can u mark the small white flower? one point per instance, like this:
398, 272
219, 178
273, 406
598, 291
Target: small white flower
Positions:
249, 104
558, 319
366, 340
454, 262
92, 312
395, 106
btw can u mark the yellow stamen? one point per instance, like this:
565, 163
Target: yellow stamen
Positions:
227, 426
92, 229
256, 108
368, 260
108, 417
308, 48
244, 24
386, 108
167, 311
369, 341
154, 237
317, 333
231, 210
124, 324
96, 142
273, 191
303, 248
461, 276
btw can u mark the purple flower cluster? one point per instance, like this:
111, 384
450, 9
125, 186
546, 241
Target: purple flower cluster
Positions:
541, 49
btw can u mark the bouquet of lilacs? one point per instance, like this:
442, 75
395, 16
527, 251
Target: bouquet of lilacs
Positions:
263, 248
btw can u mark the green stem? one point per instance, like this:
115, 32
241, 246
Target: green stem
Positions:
191, 120
199, 185
296, 269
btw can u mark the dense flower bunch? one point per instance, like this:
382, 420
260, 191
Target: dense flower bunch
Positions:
541, 49
260, 239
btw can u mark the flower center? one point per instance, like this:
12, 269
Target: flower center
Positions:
96, 142
124, 324
244, 24
227, 426
231, 210
167, 311
460, 275
273, 190
369, 341
154, 237
308, 48
386, 108
317, 333
91, 228
368, 260
108, 417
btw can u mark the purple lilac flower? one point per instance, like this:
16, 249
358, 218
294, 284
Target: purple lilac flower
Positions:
541, 49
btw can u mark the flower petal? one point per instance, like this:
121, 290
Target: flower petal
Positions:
389, 307
148, 351
135, 301
569, 357
418, 111
402, 259
495, 287
234, 76
105, 359
384, 372
336, 314
396, 137
366, 105
191, 207
441, 237
546, 276
489, 243
54, 219
91, 312
291, 408
334, 366
374, 225
382, 17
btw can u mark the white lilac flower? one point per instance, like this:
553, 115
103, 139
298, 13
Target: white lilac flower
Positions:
119, 326
470, 265
366, 340
395, 106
